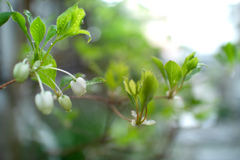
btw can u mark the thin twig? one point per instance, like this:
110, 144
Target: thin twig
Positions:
144, 116
101, 99
161, 97
180, 85
92, 97
115, 110
106, 101
7, 83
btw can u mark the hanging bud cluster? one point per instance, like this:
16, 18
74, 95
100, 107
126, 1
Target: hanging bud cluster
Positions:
44, 100
39, 65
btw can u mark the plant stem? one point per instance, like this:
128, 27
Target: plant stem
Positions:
160, 97
7, 83
180, 86
54, 84
40, 82
144, 116
115, 110
106, 101
100, 99
136, 102
63, 72
48, 51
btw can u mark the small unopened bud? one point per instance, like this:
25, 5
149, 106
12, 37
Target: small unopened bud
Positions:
65, 102
36, 65
44, 102
21, 72
79, 86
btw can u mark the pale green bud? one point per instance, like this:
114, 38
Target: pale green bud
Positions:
44, 102
65, 102
21, 72
36, 65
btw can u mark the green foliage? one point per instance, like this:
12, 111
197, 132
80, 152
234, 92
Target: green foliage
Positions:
29, 16
52, 31
148, 88
48, 75
229, 54
114, 75
195, 71
141, 93
95, 80
121, 40
159, 63
174, 73
229, 49
131, 87
116, 36
4, 16
69, 22
189, 64
18, 17
37, 30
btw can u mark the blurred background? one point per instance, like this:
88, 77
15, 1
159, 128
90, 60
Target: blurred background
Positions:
201, 125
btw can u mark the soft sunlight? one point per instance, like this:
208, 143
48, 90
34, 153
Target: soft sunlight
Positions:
201, 26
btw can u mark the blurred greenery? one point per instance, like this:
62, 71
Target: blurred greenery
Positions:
92, 131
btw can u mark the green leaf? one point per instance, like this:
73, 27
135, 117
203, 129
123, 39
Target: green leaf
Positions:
184, 66
10, 6
52, 31
192, 73
95, 81
148, 88
69, 21
67, 79
29, 16
192, 64
18, 17
229, 49
47, 74
195, 71
132, 99
174, 73
4, 16
82, 31
126, 85
202, 64
133, 87
159, 63
37, 30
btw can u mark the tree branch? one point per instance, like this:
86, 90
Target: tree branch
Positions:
100, 99
7, 83
115, 110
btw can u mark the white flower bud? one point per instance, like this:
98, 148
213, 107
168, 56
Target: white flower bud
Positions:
149, 122
21, 72
44, 102
65, 102
79, 86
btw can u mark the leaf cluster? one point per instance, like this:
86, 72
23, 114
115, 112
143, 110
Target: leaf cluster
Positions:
68, 24
141, 92
229, 54
174, 75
